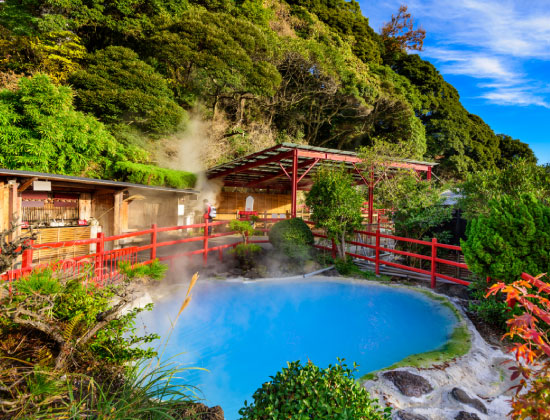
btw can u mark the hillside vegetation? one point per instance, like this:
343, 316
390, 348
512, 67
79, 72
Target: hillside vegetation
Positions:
124, 78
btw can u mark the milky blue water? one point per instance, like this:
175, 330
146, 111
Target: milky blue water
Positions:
245, 332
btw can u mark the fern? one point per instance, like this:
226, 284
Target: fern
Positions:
69, 328
43, 356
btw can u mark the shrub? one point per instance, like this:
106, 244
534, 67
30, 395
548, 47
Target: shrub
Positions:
303, 392
491, 309
513, 238
293, 238
65, 345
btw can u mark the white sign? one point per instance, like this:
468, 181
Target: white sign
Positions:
249, 206
42, 186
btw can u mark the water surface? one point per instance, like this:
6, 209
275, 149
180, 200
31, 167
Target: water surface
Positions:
245, 332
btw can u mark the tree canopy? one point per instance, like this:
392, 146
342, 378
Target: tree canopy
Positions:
309, 71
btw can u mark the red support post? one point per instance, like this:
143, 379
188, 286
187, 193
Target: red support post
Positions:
371, 196
205, 243
429, 174
377, 250
100, 251
153, 255
26, 262
333, 249
434, 256
294, 182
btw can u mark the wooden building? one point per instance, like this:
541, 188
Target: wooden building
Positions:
66, 208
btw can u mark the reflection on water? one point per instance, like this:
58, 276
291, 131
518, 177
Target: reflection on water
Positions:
245, 332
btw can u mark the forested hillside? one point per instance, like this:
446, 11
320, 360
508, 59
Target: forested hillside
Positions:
104, 88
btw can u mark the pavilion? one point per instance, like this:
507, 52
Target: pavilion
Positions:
290, 167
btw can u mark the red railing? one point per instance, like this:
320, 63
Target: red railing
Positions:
104, 263
432, 256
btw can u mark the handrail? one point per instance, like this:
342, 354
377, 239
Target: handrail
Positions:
103, 258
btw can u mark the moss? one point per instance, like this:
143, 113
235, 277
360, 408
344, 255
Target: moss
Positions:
458, 344
153, 175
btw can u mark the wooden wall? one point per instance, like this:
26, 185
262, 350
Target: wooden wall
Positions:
161, 209
59, 234
228, 203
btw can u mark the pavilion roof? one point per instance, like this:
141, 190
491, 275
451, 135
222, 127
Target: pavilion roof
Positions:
270, 168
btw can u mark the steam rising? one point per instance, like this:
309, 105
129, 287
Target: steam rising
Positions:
187, 151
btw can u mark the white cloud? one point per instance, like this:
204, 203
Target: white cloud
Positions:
494, 41
514, 96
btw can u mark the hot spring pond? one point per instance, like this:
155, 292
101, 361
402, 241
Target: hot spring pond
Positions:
245, 332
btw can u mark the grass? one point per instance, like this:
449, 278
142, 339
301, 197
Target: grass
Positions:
458, 344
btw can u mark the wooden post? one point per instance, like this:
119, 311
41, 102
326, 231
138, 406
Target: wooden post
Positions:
434, 256
377, 251
117, 213
26, 263
333, 249
153, 242
205, 243
99, 256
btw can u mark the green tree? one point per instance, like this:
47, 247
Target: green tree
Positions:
216, 57
513, 149
514, 237
335, 205
41, 131
518, 177
118, 87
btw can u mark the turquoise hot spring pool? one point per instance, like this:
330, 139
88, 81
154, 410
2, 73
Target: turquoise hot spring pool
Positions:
243, 332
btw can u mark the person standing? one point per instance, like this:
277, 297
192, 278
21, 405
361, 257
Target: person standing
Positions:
208, 214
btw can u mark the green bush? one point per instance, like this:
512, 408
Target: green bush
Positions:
152, 175
513, 238
491, 309
301, 392
293, 238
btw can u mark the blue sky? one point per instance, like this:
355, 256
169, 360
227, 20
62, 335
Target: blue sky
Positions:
496, 53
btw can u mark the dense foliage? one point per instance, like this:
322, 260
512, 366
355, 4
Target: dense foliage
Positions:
335, 205
518, 177
513, 238
41, 131
67, 348
292, 238
532, 350
307, 391
310, 71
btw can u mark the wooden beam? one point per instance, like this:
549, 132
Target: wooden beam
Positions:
276, 175
27, 184
250, 165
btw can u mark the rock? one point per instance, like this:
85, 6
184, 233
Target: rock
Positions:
461, 396
463, 415
407, 415
453, 290
200, 411
408, 383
